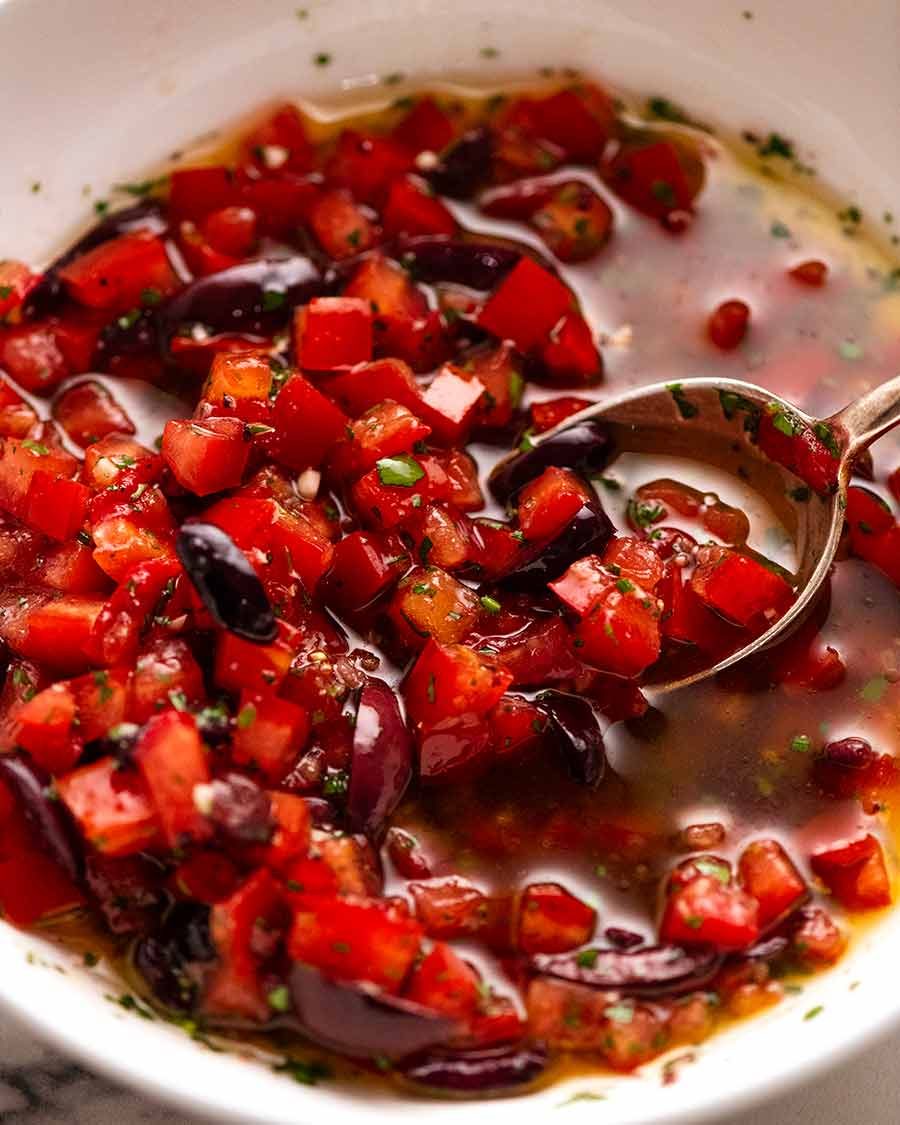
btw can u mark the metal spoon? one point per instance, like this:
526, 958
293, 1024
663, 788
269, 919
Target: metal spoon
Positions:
705, 420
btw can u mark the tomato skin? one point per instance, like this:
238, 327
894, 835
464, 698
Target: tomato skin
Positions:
769, 876
111, 806
551, 920
356, 939
115, 274
526, 306
206, 457
738, 587
855, 873
333, 332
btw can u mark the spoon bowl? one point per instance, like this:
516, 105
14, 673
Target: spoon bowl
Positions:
715, 421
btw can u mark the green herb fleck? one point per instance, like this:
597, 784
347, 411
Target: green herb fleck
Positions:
323, 58
35, 448
779, 230
272, 299
874, 689
624, 586
776, 145
801, 743
489, 604
686, 408
400, 471
279, 999
813, 1012
246, 716
850, 350
306, 1073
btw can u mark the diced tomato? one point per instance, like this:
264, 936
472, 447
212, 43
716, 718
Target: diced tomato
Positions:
635, 559
850, 768
307, 424
621, 633
236, 926
449, 680
238, 375
20, 460
70, 568
45, 728
116, 632
811, 455
165, 675
579, 120
333, 332
111, 806
395, 489
738, 587
115, 274
449, 405
101, 699
367, 165
52, 632
445, 983
16, 282
112, 455
340, 225
172, 761
526, 306
291, 833
549, 503
365, 565
383, 431
431, 603
31, 354
815, 937
56, 506
33, 887
280, 142
16, 415
371, 384
231, 230
412, 209
546, 415
516, 724
207, 876
426, 128
707, 911
208, 456
441, 535
196, 192
495, 547
654, 178
452, 907
769, 876
241, 664
551, 920
353, 864
356, 939
583, 584
855, 873
687, 619
574, 222
728, 323
570, 355
270, 734
88, 412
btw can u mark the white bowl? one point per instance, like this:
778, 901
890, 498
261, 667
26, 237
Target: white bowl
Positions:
96, 91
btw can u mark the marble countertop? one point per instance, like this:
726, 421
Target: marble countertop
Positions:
38, 1086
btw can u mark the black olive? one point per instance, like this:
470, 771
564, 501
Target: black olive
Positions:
491, 1070
573, 725
464, 167
587, 533
253, 298
586, 447
173, 958
434, 258
240, 809
657, 970
227, 583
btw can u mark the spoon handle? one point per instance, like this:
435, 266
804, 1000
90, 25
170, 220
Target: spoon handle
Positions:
869, 416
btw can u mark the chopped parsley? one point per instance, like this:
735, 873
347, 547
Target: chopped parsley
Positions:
400, 471
686, 408
489, 604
